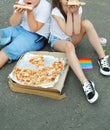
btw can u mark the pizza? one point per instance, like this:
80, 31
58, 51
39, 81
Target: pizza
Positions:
75, 2
38, 61
42, 77
23, 75
29, 7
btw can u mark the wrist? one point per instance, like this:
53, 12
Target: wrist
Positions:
76, 13
69, 14
19, 13
29, 12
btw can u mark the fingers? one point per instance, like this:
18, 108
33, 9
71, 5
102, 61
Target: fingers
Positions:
75, 6
20, 10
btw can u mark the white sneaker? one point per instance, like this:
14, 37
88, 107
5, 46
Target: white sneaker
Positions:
104, 65
103, 41
90, 92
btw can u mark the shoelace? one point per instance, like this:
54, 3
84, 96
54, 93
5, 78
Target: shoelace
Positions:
88, 89
104, 62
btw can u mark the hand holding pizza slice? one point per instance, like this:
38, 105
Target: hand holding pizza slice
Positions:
23, 6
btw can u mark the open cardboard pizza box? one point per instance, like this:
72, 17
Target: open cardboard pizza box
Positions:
54, 92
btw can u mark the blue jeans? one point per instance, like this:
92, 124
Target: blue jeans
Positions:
21, 42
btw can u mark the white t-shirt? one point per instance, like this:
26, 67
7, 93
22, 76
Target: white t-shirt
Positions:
55, 30
42, 14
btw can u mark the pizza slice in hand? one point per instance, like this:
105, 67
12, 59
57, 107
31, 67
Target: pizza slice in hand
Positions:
75, 2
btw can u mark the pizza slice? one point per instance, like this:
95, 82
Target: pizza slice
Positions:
29, 7
75, 2
24, 76
38, 61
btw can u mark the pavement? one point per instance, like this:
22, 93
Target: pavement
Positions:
29, 112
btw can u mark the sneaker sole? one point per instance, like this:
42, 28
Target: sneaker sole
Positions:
94, 99
104, 73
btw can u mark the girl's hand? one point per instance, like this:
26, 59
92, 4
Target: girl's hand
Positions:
74, 8
68, 10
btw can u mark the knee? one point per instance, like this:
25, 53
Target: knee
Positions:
87, 24
69, 47
3, 59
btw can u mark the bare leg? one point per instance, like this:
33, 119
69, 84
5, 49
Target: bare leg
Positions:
93, 37
68, 48
88, 28
3, 59
88, 86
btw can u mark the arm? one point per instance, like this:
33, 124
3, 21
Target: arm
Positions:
69, 24
77, 20
33, 24
36, 20
77, 23
66, 26
16, 18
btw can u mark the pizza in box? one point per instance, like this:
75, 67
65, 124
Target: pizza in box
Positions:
38, 70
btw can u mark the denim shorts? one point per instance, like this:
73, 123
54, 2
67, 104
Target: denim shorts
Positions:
21, 42
54, 39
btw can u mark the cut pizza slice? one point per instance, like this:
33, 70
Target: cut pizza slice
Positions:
75, 2
29, 7
23, 76
38, 61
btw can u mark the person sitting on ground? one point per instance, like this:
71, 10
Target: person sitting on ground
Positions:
28, 31
66, 32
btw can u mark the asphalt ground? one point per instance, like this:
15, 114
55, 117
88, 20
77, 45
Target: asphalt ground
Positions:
29, 112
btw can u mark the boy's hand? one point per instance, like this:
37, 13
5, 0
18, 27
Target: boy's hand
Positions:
21, 8
18, 8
